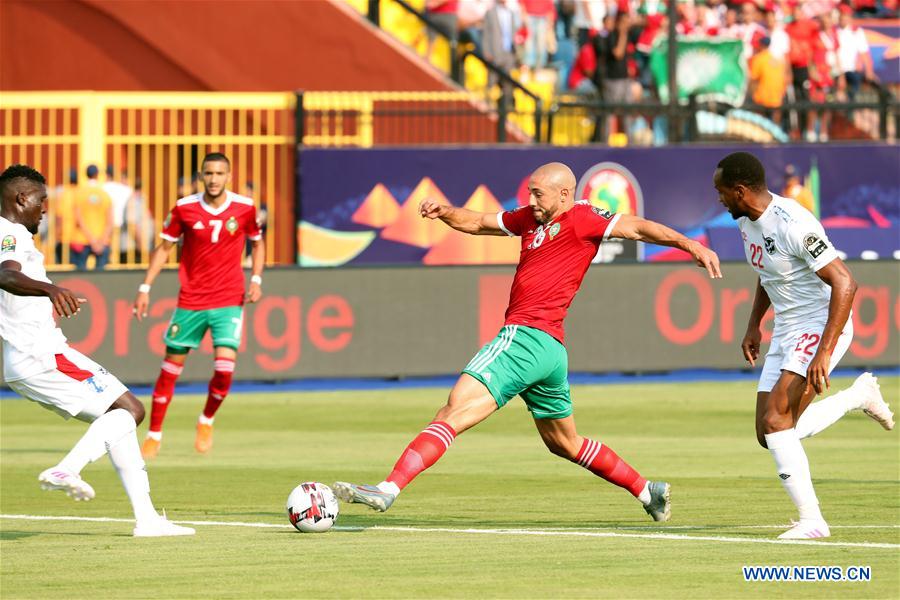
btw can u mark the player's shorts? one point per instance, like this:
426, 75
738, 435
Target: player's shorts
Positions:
187, 327
793, 348
78, 387
527, 362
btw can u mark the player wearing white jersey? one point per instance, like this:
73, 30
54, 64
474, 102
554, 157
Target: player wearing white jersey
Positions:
40, 365
811, 291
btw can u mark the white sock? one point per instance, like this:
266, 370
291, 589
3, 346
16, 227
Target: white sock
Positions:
389, 487
155, 435
204, 420
793, 470
644, 497
104, 432
126, 458
820, 415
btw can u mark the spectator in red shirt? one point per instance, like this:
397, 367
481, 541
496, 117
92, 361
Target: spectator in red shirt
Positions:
583, 70
539, 16
803, 33
443, 14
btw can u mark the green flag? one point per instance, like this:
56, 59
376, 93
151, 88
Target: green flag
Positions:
711, 68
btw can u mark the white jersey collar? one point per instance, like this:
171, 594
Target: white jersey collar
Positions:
216, 211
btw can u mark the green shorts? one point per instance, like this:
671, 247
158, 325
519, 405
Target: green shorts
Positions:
528, 362
187, 327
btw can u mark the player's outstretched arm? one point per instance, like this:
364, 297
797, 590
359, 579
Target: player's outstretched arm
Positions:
462, 219
753, 338
843, 289
158, 259
631, 227
17, 283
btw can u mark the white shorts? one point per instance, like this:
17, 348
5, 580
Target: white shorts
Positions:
78, 387
793, 349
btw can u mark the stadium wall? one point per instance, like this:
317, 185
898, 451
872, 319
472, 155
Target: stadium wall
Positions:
202, 45
398, 322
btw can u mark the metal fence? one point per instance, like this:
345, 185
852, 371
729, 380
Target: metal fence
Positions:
153, 142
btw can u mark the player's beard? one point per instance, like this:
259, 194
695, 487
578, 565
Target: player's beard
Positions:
212, 196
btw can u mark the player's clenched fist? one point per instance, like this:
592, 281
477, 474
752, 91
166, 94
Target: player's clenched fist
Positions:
65, 302
431, 209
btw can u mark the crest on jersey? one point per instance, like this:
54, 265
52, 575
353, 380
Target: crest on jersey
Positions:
770, 244
554, 230
8, 244
231, 225
814, 245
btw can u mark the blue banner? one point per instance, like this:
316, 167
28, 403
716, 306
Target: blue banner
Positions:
359, 206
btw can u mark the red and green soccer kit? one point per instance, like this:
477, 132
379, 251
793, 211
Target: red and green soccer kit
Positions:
211, 272
527, 357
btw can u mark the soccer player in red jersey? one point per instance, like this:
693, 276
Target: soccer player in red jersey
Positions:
214, 226
560, 238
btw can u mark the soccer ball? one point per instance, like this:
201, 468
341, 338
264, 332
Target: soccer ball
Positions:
312, 507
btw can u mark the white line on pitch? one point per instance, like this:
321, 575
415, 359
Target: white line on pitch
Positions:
535, 532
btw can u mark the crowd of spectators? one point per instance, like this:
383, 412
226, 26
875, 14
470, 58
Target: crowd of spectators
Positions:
795, 50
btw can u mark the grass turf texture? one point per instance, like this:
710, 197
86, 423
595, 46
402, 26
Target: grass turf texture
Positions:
699, 437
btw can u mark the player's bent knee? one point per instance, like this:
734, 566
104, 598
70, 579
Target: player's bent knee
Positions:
561, 448
129, 402
774, 422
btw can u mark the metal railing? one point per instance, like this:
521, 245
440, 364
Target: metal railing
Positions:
153, 142
574, 121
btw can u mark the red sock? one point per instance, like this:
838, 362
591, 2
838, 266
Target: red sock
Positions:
602, 461
162, 393
218, 386
422, 452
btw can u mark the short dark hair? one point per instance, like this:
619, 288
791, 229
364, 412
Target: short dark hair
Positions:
92, 171
216, 157
743, 168
14, 172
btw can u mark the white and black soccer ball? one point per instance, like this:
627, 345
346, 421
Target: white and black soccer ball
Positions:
312, 507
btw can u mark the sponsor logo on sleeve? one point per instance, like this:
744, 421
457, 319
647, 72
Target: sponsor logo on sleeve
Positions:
602, 212
8, 244
814, 244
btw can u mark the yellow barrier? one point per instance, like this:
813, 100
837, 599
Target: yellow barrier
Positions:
153, 142
348, 118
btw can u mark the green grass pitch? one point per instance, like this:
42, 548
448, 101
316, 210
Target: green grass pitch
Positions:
546, 528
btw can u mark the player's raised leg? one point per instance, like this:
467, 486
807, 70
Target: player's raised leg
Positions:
163, 391
469, 403
775, 418
562, 439
864, 395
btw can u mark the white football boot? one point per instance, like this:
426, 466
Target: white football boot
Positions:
160, 527
57, 478
806, 530
873, 403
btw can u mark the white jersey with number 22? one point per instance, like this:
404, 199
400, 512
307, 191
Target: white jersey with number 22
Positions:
786, 245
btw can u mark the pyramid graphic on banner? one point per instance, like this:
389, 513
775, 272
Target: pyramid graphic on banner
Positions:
464, 249
410, 228
378, 210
